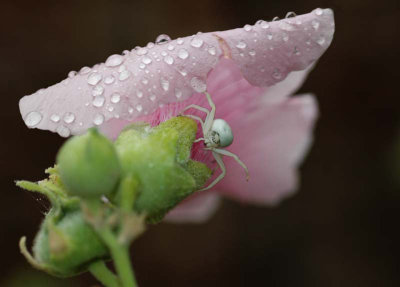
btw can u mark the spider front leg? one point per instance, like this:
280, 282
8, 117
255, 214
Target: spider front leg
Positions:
210, 117
193, 106
228, 153
221, 164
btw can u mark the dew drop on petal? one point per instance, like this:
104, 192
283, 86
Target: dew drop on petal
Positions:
97, 91
110, 109
198, 85
164, 84
290, 15
109, 80
183, 54
319, 11
264, 25
114, 60
152, 98
130, 110
98, 119
241, 45
145, 81
170, 47
321, 41
196, 42
141, 51
315, 24
33, 118
124, 75
180, 41
178, 93
84, 70
115, 98
69, 118
269, 36
63, 131
150, 45
169, 60
71, 74
122, 68
252, 53
285, 37
247, 28
275, 19
98, 101
94, 78
146, 60
55, 118
212, 51
276, 74
139, 94
139, 108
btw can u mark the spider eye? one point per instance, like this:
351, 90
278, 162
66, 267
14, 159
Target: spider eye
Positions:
224, 131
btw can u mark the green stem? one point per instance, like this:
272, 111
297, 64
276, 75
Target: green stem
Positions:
100, 271
120, 254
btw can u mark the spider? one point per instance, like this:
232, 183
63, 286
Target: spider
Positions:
217, 134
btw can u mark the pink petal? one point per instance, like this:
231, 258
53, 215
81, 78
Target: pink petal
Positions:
272, 142
195, 209
137, 84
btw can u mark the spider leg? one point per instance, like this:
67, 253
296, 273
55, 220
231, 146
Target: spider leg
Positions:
199, 140
210, 118
198, 119
197, 108
228, 153
221, 164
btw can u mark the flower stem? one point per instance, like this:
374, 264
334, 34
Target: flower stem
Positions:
120, 254
100, 271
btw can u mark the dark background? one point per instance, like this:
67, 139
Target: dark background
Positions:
340, 229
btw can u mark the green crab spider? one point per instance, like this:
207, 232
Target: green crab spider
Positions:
217, 134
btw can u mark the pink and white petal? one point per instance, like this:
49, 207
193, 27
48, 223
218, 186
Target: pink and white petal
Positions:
198, 208
282, 133
136, 84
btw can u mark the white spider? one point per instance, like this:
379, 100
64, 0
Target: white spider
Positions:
217, 134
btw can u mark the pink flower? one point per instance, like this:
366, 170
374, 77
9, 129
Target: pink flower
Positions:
250, 73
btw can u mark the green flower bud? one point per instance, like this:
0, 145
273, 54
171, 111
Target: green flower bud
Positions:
89, 165
159, 159
65, 246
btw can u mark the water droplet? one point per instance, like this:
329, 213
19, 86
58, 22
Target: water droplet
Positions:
33, 118
264, 25
124, 75
321, 41
94, 78
169, 60
110, 108
290, 15
150, 45
170, 47
269, 36
252, 53
276, 74
285, 37
183, 54
98, 119
179, 41
55, 118
114, 60
71, 74
109, 80
98, 101
164, 84
141, 51
69, 118
97, 91
178, 93
183, 72
315, 24
142, 66
139, 94
241, 45
130, 110
115, 98
122, 68
212, 51
84, 70
162, 39
80, 124
247, 28
125, 52
296, 51
196, 42
145, 81
319, 11
259, 22
63, 131
198, 85
152, 98
275, 19
139, 108
146, 60
285, 26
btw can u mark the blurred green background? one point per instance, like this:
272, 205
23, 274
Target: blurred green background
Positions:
340, 229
